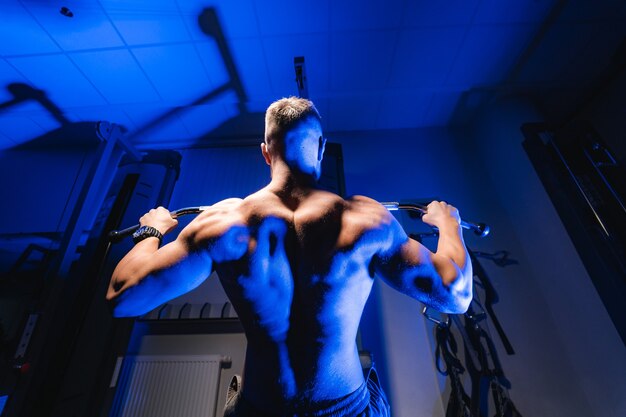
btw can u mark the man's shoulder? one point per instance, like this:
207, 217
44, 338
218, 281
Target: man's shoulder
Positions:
359, 203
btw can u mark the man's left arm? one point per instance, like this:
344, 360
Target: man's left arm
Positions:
443, 279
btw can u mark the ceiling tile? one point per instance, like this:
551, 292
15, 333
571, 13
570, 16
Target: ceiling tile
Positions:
283, 17
213, 63
489, 53
376, 14
497, 11
103, 113
237, 19
353, 113
280, 52
259, 106
439, 13
156, 124
8, 75
19, 129
441, 108
175, 71
21, 34
424, 56
23, 107
140, 5
403, 110
200, 120
361, 60
251, 67
150, 27
44, 120
89, 28
116, 75
61, 80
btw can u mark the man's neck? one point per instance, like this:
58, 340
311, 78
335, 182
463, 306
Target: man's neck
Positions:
285, 182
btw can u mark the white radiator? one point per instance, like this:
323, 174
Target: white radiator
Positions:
168, 386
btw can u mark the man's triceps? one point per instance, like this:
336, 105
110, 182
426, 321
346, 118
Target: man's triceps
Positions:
152, 278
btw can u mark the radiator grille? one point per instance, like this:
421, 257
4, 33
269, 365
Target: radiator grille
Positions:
167, 386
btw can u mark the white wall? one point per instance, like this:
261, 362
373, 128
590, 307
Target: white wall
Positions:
587, 359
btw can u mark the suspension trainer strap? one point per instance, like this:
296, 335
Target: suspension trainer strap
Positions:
459, 401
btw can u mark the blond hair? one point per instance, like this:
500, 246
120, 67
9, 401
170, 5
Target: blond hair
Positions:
285, 113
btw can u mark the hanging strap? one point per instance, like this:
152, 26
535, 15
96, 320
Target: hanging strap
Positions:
459, 402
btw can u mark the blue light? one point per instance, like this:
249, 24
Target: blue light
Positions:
3, 402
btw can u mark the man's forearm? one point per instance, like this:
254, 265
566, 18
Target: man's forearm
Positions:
451, 244
458, 279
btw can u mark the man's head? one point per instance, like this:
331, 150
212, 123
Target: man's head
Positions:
293, 134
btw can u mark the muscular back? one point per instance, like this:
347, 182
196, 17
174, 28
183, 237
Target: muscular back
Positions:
299, 287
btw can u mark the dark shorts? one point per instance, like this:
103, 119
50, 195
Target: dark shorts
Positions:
368, 400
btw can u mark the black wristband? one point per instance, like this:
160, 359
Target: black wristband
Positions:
145, 232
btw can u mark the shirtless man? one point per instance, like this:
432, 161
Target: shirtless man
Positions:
298, 264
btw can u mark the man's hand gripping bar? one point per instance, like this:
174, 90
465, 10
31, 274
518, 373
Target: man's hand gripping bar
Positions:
117, 235
481, 229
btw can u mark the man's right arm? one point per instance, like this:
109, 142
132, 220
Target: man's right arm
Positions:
443, 279
148, 275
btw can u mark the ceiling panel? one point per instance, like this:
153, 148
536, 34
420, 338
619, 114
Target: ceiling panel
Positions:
503, 12
237, 19
156, 125
116, 75
103, 113
401, 110
442, 108
259, 106
488, 54
353, 112
279, 54
361, 60
8, 75
282, 17
21, 34
19, 129
140, 5
252, 68
375, 14
424, 57
176, 72
44, 120
439, 13
59, 78
202, 119
89, 28
142, 28
213, 63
